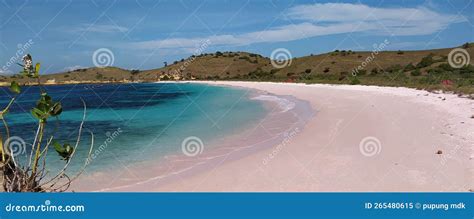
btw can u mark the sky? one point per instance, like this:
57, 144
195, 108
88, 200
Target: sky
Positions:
136, 34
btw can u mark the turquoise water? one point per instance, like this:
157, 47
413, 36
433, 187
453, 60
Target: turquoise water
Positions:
136, 122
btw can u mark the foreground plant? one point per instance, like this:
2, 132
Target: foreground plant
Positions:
31, 175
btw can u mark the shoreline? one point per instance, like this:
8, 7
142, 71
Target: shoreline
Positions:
153, 174
405, 128
410, 127
223, 82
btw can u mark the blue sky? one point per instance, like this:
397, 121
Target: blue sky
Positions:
144, 34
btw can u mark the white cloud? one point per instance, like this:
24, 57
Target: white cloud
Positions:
326, 19
396, 21
98, 28
5, 72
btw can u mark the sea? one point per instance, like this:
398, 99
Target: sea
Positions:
130, 123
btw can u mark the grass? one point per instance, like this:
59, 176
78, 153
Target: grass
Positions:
426, 69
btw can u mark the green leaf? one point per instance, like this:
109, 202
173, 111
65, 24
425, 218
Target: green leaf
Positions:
37, 69
69, 149
44, 103
65, 151
15, 87
56, 109
42, 106
37, 113
58, 147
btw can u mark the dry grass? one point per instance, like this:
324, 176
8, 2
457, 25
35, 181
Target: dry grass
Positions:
333, 67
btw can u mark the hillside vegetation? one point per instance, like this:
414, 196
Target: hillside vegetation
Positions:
426, 69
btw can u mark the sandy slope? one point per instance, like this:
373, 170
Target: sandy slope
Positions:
409, 125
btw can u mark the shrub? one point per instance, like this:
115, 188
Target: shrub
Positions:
426, 61
273, 71
415, 72
307, 71
446, 67
374, 71
394, 68
400, 52
326, 70
362, 72
409, 67
467, 70
355, 80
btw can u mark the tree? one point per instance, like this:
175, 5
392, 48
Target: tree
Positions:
166, 63
32, 175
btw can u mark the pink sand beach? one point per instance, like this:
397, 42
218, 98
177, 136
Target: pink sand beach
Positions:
324, 138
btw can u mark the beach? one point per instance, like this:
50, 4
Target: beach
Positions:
423, 142
356, 138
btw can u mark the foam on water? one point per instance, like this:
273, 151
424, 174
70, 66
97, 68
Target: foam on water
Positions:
284, 104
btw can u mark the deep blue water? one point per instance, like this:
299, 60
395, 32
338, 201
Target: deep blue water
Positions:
135, 122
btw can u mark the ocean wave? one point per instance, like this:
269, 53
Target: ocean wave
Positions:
283, 104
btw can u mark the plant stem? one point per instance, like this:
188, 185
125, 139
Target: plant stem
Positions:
7, 130
38, 150
4, 111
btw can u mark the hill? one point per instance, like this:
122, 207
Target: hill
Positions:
425, 69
